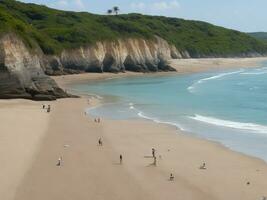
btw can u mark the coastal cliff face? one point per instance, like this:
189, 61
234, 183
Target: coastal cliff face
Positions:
24, 72
21, 74
137, 55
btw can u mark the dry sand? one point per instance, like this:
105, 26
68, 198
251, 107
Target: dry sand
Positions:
32, 141
208, 64
23, 125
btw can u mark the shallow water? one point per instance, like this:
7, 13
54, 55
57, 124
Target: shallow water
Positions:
228, 107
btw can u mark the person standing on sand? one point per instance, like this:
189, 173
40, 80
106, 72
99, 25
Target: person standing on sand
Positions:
100, 143
120, 159
153, 152
49, 109
155, 161
59, 161
203, 166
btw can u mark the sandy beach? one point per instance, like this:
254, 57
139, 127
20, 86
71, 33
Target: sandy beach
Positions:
23, 126
208, 64
33, 140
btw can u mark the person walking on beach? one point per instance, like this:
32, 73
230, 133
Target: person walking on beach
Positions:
100, 143
48, 108
155, 161
120, 159
43, 106
153, 152
59, 161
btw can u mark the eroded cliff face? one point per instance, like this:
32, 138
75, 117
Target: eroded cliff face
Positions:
122, 55
23, 71
21, 74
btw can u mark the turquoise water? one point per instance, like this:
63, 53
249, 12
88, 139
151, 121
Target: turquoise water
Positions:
229, 107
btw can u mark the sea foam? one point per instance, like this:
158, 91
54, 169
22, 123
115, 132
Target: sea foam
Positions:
142, 115
192, 87
256, 128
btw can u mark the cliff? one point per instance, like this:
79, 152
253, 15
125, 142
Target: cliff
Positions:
21, 74
37, 41
24, 72
137, 55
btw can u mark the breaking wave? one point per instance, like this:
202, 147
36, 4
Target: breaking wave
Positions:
192, 87
256, 128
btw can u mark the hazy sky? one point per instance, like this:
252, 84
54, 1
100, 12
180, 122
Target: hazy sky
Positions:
244, 15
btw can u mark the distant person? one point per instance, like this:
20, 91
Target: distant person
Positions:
171, 177
120, 159
59, 163
43, 106
100, 143
48, 108
153, 152
155, 161
203, 166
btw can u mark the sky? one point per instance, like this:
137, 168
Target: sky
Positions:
242, 15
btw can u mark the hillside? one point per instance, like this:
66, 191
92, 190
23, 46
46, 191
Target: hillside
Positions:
55, 30
37, 41
259, 35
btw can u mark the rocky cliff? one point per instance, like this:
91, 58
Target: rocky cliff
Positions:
23, 71
21, 74
137, 55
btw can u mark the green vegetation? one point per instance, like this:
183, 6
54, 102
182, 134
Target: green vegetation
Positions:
259, 35
54, 30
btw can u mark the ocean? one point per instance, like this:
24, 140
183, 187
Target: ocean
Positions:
229, 107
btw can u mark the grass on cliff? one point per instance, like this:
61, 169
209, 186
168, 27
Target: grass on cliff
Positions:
55, 30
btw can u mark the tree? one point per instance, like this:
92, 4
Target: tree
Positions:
116, 9
109, 11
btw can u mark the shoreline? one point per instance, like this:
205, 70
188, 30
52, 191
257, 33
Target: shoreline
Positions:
86, 165
93, 172
183, 66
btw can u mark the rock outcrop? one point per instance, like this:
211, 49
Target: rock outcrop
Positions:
24, 71
137, 55
21, 74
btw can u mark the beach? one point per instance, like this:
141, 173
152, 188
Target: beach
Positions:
90, 171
